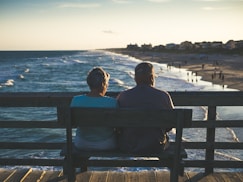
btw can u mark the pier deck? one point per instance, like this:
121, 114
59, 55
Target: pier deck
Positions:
30, 175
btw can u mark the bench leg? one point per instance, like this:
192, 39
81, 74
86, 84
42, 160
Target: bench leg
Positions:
174, 175
84, 164
69, 171
181, 169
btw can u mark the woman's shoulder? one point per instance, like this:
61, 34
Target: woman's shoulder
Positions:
78, 97
109, 99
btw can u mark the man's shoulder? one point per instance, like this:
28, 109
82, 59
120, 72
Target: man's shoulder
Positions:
127, 91
162, 91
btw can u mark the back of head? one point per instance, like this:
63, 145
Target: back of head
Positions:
144, 73
97, 78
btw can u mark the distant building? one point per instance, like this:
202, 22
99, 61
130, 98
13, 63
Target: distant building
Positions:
205, 45
132, 47
146, 47
171, 46
230, 44
239, 44
158, 48
197, 45
217, 45
186, 45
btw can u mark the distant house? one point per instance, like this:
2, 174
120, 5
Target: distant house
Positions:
146, 47
205, 45
216, 45
239, 44
158, 48
186, 45
132, 47
197, 45
171, 46
230, 44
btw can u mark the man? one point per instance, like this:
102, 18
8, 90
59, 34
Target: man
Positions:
144, 95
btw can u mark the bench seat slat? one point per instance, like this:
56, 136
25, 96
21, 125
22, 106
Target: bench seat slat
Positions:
117, 153
127, 163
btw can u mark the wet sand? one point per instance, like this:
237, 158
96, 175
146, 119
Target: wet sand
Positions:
222, 69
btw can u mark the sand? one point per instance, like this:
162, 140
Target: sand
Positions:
222, 69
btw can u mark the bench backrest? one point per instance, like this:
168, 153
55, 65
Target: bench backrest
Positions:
84, 117
95, 117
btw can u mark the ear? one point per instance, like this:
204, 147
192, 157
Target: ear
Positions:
152, 78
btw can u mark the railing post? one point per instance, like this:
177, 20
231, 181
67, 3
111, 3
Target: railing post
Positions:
210, 140
71, 169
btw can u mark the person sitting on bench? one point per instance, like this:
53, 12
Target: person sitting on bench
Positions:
144, 95
95, 138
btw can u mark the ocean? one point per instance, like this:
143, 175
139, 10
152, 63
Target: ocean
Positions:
66, 71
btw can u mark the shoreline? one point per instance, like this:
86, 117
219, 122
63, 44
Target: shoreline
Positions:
220, 69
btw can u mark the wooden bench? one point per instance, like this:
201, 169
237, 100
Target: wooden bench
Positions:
90, 117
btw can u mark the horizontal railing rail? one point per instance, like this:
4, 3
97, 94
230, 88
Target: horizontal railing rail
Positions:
61, 101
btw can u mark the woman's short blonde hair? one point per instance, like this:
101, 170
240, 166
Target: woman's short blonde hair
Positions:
97, 78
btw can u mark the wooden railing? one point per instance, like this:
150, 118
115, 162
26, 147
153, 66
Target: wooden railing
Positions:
61, 102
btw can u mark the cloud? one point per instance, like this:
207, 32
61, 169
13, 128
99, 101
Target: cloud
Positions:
208, 8
159, 1
121, 1
79, 5
209, 0
108, 32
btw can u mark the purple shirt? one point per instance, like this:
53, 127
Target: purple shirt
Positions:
143, 139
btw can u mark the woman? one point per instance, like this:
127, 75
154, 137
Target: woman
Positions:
95, 138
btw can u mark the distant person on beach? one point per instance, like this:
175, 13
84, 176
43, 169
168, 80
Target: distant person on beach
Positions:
92, 138
144, 95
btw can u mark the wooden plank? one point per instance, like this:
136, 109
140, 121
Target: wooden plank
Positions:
129, 117
229, 177
29, 175
34, 175
179, 98
208, 178
218, 177
17, 175
5, 173
210, 138
116, 176
131, 177
218, 124
217, 145
49, 175
34, 99
84, 176
207, 98
193, 176
147, 176
98, 176
183, 178
162, 176
192, 98
240, 175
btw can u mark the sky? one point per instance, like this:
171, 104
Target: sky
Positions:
98, 24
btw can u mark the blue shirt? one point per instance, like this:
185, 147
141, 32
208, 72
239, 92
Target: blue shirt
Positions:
92, 137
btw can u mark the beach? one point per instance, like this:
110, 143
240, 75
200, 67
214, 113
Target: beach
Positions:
221, 69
